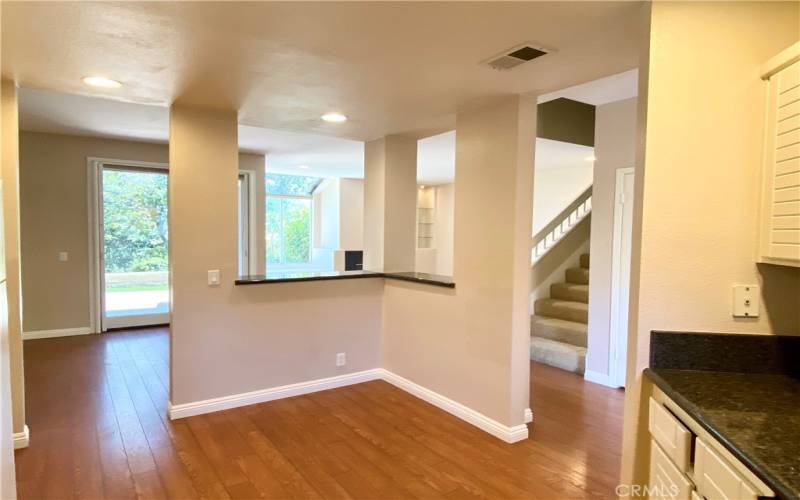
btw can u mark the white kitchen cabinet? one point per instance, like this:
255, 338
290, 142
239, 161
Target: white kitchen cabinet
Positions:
686, 463
716, 479
779, 231
666, 481
675, 439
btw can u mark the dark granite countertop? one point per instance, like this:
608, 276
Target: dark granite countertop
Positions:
427, 278
756, 416
288, 276
294, 276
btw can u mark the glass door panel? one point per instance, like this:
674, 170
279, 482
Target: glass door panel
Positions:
135, 247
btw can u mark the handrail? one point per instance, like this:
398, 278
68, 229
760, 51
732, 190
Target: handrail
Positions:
561, 225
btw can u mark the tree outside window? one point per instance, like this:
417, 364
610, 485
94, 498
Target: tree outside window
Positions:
288, 219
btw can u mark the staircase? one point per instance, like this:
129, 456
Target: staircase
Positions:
559, 324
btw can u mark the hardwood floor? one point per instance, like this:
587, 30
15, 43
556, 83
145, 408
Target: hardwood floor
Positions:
96, 408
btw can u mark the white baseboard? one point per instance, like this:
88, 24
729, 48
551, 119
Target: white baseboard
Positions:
63, 332
271, 394
598, 378
493, 427
479, 420
22, 439
528, 415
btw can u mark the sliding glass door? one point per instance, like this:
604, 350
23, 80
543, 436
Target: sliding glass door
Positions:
134, 247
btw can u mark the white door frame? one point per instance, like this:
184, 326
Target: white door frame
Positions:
619, 311
94, 170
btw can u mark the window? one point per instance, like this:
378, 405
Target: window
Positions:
288, 219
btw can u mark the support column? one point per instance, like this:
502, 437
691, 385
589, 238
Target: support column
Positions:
10, 178
390, 203
203, 173
492, 238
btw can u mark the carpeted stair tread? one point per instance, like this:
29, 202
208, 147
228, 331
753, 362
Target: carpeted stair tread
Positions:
559, 354
569, 332
569, 291
578, 275
585, 260
562, 309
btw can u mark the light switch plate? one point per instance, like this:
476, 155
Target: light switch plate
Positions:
213, 277
63, 256
745, 301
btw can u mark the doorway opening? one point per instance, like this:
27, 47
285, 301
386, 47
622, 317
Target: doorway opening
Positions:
129, 244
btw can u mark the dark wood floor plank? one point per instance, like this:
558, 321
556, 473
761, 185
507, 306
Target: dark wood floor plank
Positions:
97, 409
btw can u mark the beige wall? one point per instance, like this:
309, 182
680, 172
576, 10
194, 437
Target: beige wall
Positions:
250, 337
351, 214
11, 236
55, 218
615, 147
556, 188
471, 344
698, 168
445, 219
53, 199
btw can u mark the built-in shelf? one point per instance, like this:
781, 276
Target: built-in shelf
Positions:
426, 217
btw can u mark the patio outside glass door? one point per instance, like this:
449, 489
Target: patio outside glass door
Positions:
134, 249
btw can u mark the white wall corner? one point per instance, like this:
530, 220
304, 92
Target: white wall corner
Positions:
62, 332
599, 378
22, 439
479, 420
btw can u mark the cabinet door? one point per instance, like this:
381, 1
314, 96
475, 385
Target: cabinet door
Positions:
780, 206
666, 481
675, 439
716, 479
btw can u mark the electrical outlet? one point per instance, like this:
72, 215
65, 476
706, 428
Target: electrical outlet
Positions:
341, 359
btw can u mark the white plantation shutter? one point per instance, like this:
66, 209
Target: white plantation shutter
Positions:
780, 207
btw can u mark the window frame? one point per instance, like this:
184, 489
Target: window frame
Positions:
246, 223
289, 265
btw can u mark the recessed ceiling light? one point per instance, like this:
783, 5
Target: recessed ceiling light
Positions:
334, 117
101, 81
590, 158
304, 167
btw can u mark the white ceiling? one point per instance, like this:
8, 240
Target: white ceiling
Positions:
392, 67
601, 91
324, 155
56, 112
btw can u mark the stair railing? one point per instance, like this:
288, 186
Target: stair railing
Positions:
561, 225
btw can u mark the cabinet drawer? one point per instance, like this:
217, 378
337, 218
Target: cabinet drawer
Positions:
666, 481
716, 479
675, 439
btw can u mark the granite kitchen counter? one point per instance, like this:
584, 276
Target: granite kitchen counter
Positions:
744, 390
755, 416
295, 276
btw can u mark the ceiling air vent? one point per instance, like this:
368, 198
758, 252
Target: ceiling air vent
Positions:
515, 56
